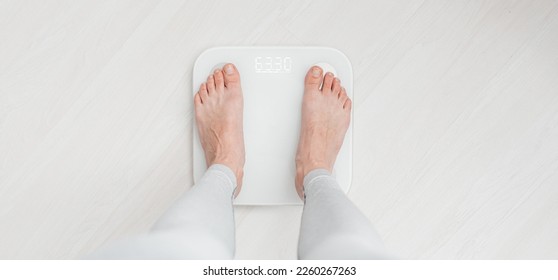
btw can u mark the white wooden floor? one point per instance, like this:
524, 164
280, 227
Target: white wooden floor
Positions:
456, 120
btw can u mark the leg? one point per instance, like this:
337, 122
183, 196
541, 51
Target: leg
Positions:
332, 227
200, 225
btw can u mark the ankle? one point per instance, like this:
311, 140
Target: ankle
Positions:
303, 167
236, 168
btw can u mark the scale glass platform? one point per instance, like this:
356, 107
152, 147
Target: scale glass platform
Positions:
272, 82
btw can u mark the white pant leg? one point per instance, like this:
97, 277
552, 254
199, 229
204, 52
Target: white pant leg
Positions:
200, 225
332, 227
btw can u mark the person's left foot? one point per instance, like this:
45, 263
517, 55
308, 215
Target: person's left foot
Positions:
219, 109
326, 114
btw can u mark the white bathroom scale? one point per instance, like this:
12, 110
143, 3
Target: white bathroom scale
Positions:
272, 83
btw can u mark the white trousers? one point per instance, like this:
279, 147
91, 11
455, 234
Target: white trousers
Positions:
200, 225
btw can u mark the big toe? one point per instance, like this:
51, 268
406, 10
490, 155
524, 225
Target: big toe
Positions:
314, 78
231, 75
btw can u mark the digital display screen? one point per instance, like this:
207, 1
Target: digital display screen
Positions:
273, 64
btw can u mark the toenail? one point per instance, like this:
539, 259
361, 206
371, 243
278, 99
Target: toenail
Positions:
316, 72
329, 74
229, 69
216, 71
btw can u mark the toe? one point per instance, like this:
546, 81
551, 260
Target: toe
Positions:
313, 78
343, 96
197, 99
219, 79
328, 82
231, 75
203, 92
198, 105
336, 87
210, 84
348, 104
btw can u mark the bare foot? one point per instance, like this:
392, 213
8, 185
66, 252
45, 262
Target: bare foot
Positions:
325, 120
219, 107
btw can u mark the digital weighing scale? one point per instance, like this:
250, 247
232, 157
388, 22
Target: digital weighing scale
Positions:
272, 80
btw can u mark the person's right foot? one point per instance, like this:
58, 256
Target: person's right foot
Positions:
219, 110
326, 114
